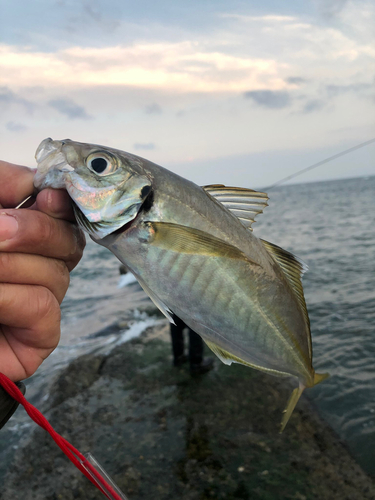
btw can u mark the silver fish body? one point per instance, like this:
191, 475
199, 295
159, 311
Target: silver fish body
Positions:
193, 252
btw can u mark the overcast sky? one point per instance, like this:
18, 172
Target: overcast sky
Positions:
231, 91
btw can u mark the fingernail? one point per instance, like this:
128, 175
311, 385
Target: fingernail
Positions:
8, 227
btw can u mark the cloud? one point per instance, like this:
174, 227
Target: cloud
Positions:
88, 14
184, 66
270, 99
313, 105
244, 53
153, 109
93, 12
69, 108
15, 127
268, 18
335, 90
148, 146
7, 97
295, 80
330, 8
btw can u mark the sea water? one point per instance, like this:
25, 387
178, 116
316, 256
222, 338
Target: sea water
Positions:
331, 227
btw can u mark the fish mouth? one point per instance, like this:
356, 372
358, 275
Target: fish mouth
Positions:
47, 147
51, 162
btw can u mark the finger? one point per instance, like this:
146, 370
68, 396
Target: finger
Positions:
16, 184
33, 232
31, 328
27, 269
56, 203
30, 307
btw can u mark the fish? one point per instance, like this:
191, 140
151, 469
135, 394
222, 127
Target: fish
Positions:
193, 251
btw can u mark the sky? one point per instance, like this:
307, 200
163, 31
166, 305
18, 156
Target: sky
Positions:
220, 91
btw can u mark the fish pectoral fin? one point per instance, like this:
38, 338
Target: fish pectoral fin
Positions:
156, 300
293, 400
244, 203
184, 239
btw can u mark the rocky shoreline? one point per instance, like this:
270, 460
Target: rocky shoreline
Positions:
162, 434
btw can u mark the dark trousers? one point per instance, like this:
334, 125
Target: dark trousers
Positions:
195, 342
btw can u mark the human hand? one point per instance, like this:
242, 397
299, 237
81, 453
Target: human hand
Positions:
38, 248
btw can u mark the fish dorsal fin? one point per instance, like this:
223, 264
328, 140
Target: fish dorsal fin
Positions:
244, 203
293, 269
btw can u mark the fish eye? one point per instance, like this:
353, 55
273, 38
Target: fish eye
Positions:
101, 164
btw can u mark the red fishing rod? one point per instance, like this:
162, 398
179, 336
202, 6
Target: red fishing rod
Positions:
87, 464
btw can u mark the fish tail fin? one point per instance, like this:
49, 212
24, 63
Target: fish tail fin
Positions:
296, 394
319, 377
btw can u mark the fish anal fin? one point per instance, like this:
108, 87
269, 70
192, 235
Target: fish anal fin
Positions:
227, 358
243, 203
223, 355
293, 400
187, 240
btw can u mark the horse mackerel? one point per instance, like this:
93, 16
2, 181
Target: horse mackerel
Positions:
193, 252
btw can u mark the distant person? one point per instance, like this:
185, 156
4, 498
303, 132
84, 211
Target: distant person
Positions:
198, 364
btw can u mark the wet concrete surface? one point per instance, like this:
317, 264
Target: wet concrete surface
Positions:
162, 434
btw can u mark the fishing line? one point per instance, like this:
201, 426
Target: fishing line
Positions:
23, 202
85, 463
322, 162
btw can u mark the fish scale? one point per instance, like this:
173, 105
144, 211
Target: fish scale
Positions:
193, 251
